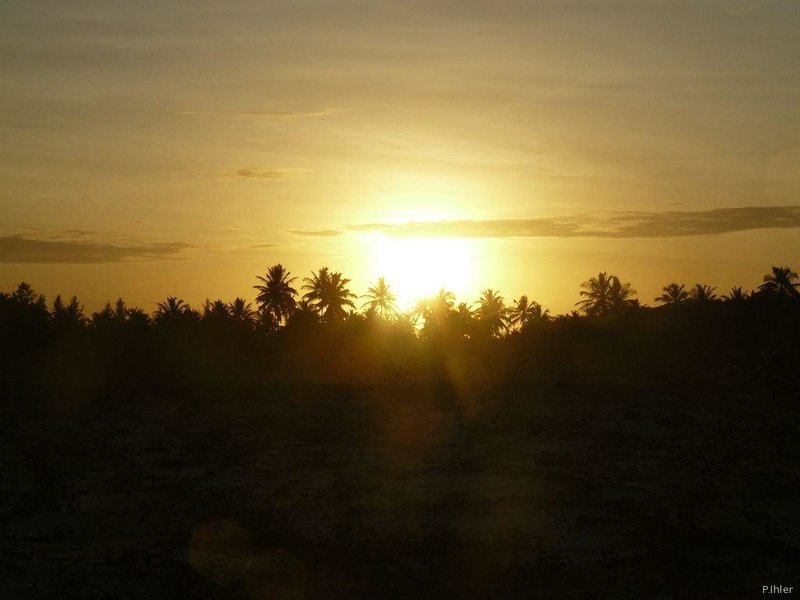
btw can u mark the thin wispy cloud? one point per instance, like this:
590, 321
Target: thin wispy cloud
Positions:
317, 232
19, 249
633, 224
268, 173
272, 115
78, 232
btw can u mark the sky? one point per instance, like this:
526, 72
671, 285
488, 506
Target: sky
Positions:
177, 148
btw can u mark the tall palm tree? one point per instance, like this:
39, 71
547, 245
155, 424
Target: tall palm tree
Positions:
702, 293
327, 291
597, 295
673, 294
622, 294
276, 297
316, 287
781, 282
737, 294
492, 312
242, 311
604, 294
381, 300
525, 312
338, 297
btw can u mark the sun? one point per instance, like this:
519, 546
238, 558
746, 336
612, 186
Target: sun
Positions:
417, 267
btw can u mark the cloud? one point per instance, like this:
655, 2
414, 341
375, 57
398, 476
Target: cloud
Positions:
316, 232
609, 225
272, 115
263, 173
79, 232
18, 249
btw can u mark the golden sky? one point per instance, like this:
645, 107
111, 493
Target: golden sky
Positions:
179, 148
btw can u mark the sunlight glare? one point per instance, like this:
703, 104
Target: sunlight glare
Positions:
416, 268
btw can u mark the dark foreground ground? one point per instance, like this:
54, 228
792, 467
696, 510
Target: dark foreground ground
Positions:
410, 490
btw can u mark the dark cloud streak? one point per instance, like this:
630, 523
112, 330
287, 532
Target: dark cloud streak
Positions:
266, 173
610, 225
316, 232
18, 249
278, 115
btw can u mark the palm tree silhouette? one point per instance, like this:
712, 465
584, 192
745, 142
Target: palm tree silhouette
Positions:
464, 312
604, 294
381, 300
327, 292
525, 312
464, 319
422, 310
702, 293
622, 294
242, 311
172, 308
673, 294
276, 298
492, 312
316, 287
781, 282
216, 311
737, 294
434, 311
444, 300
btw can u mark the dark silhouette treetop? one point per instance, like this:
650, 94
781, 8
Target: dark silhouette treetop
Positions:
276, 296
605, 294
381, 301
781, 282
328, 293
702, 293
492, 312
673, 294
524, 312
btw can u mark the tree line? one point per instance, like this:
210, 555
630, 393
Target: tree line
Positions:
325, 298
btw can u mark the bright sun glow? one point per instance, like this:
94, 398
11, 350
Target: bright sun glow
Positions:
416, 268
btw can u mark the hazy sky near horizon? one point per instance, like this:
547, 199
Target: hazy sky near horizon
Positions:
179, 148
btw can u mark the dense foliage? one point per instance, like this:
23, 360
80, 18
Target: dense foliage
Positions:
318, 334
